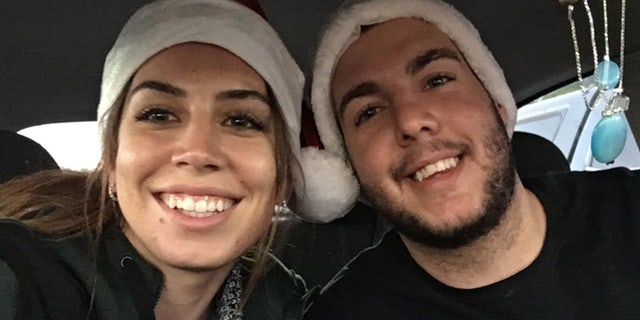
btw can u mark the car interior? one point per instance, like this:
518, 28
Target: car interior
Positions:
52, 56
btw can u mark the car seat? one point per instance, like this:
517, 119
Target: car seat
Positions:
22, 156
535, 155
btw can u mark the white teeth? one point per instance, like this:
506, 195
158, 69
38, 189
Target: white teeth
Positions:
211, 206
201, 206
451, 162
172, 202
188, 204
433, 168
197, 208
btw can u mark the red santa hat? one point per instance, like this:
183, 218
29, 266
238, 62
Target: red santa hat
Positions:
227, 24
330, 167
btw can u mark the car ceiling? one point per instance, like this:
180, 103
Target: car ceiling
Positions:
52, 52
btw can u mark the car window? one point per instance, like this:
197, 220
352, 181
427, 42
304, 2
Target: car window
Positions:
561, 117
74, 145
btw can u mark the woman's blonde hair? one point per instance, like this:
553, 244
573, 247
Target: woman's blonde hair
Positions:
70, 203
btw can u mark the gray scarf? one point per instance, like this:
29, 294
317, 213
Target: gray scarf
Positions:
228, 306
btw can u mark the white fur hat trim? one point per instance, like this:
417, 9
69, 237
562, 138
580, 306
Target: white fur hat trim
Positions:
328, 197
344, 29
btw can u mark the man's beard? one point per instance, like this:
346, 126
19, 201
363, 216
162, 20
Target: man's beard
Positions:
498, 194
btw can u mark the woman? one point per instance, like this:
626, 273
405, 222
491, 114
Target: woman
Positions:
199, 116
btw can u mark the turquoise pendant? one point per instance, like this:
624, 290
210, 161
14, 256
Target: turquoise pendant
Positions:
607, 74
608, 138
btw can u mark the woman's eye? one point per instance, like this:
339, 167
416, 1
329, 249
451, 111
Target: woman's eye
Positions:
366, 114
245, 121
439, 80
156, 115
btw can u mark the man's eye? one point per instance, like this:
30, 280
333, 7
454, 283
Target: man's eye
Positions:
366, 114
156, 115
439, 80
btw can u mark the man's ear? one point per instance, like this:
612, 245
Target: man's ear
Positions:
503, 112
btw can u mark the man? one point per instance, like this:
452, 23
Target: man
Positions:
425, 116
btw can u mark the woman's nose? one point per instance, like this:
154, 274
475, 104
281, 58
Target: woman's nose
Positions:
197, 146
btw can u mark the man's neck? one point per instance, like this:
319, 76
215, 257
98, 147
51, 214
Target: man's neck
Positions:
509, 248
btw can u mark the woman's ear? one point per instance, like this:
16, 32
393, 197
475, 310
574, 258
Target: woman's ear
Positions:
284, 196
111, 180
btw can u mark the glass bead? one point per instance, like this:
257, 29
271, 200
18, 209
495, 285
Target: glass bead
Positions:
620, 103
608, 138
607, 74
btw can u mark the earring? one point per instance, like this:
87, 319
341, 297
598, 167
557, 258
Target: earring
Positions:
112, 194
281, 211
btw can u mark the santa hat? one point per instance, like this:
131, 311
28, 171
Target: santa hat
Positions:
223, 23
342, 31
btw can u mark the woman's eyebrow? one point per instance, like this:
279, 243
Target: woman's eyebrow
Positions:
160, 86
241, 94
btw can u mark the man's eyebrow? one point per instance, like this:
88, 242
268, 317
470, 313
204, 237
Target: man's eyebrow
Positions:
240, 94
422, 60
161, 87
363, 89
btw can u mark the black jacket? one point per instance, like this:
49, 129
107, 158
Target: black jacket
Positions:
43, 278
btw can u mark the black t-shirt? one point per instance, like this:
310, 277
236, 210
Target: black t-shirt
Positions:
589, 266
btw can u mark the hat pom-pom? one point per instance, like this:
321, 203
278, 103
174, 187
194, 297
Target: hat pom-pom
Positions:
330, 190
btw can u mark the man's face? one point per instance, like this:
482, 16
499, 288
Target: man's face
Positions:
425, 139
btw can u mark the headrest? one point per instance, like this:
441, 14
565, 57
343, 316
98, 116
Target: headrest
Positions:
536, 155
22, 156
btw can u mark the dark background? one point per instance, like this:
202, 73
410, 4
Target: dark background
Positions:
52, 52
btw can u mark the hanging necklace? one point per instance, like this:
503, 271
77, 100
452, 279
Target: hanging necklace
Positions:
610, 133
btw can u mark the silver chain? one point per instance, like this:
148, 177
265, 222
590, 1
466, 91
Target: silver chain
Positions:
576, 47
606, 30
592, 32
623, 11
576, 50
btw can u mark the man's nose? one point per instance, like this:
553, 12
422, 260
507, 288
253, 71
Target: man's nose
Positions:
414, 119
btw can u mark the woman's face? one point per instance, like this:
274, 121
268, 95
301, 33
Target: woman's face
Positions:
195, 168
